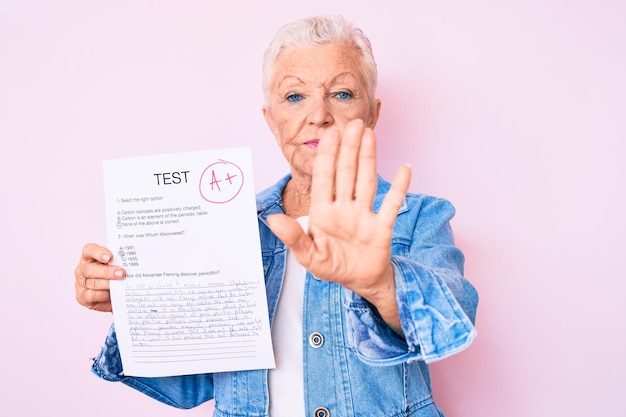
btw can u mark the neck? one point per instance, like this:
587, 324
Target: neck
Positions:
297, 198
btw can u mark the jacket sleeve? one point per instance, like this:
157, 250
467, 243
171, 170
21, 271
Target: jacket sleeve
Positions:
437, 305
185, 391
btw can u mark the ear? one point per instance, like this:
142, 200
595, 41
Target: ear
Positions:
375, 113
267, 114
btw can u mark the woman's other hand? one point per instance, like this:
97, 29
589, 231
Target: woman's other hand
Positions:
93, 275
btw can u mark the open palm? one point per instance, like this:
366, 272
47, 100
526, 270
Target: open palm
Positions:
346, 241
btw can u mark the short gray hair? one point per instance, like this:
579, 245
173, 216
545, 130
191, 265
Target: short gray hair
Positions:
316, 31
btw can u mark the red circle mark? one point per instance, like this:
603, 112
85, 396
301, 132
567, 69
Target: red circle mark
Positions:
221, 182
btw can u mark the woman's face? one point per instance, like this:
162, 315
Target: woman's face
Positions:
312, 90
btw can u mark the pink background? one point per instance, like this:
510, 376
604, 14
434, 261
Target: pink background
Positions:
512, 110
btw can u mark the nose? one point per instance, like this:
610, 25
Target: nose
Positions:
320, 112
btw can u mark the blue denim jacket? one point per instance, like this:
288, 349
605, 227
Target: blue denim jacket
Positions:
359, 366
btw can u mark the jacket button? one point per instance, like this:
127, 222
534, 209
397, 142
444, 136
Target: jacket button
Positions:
316, 340
321, 412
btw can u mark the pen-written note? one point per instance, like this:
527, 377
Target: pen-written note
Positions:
184, 227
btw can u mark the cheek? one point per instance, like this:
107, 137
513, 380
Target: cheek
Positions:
367, 114
282, 134
287, 128
350, 111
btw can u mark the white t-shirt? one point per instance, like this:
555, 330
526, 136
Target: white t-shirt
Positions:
286, 381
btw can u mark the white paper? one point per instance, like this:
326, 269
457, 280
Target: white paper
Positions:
184, 227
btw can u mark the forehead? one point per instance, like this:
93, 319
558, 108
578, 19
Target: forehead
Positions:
319, 63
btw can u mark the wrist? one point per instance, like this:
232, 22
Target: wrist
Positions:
383, 298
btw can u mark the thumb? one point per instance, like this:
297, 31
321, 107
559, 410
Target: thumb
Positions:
289, 232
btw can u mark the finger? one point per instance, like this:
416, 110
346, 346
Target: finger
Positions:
96, 253
96, 284
289, 231
94, 264
348, 160
104, 306
94, 294
323, 184
395, 197
367, 177
95, 300
97, 270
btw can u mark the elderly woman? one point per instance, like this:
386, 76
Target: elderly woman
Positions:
364, 283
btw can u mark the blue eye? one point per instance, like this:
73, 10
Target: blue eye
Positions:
343, 95
294, 98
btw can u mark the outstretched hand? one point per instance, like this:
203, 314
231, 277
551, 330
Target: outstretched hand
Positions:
347, 242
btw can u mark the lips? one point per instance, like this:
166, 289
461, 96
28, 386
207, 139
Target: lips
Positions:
312, 143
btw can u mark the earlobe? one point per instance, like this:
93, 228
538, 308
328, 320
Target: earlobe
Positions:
268, 119
375, 113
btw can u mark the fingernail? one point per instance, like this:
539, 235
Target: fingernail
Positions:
106, 258
119, 273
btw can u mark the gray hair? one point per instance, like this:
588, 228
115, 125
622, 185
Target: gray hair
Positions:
316, 31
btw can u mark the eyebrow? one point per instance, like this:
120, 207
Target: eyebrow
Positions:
288, 78
344, 74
